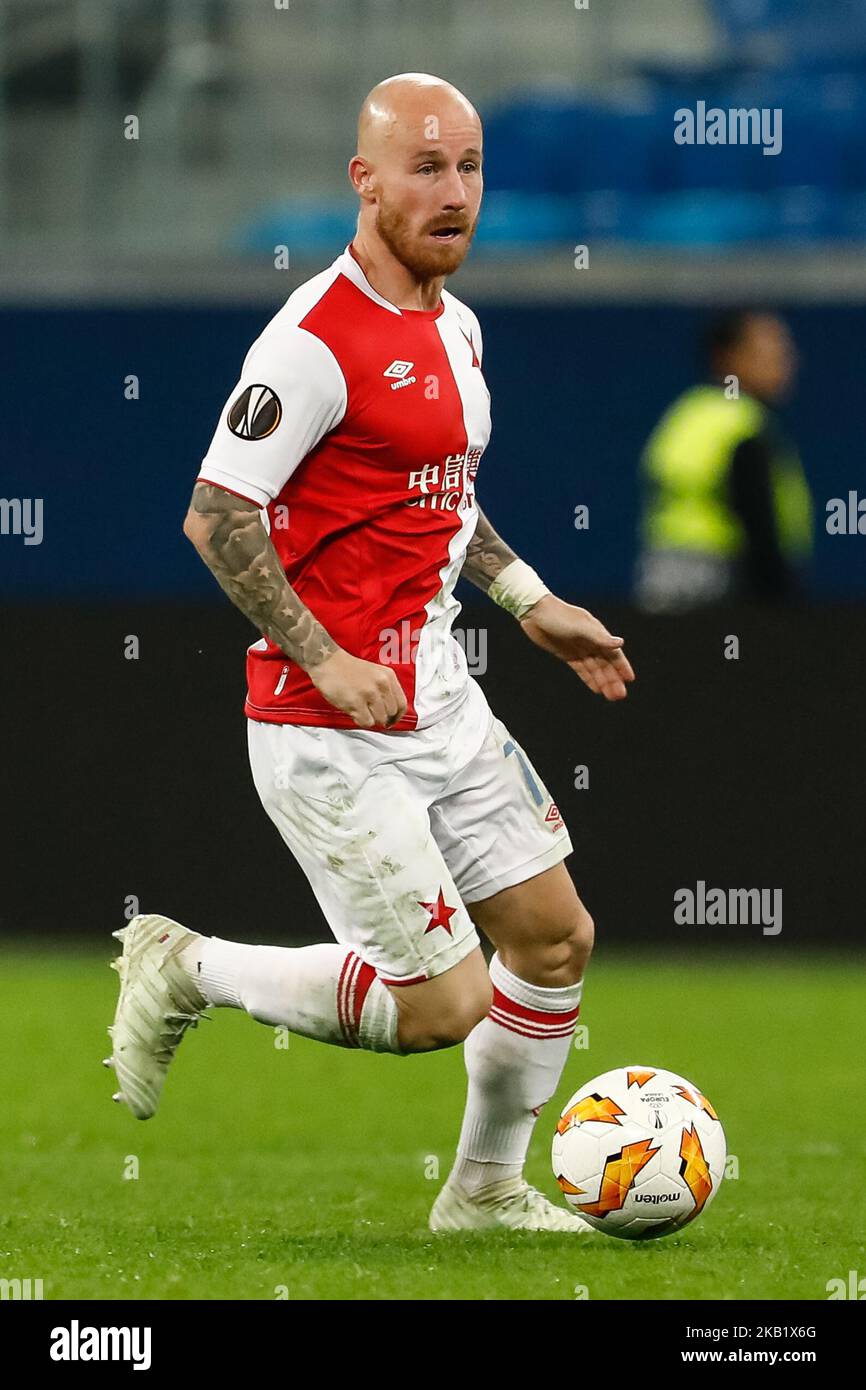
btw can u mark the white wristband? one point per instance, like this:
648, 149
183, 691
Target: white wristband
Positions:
517, 588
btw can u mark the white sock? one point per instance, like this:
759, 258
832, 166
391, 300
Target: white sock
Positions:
514, 1059
325, 991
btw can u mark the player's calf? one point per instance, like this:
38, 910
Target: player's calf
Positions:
443, 1011
329, 993
562, 958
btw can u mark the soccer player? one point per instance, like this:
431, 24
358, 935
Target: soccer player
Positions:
336, 508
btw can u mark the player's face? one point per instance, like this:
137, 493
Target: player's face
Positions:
766, 359
429, 194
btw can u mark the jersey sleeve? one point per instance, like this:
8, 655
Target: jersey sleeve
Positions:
290, 394
477, 340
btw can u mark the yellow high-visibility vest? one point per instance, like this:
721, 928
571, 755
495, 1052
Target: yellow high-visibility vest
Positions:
687, 463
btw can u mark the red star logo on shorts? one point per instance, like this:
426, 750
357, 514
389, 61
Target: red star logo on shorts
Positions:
441, 915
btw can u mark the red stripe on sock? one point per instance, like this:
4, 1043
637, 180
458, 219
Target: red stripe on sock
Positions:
526, 1033
340, 978
363, 980
534, 1030
343, 986
348, 994
519, 1011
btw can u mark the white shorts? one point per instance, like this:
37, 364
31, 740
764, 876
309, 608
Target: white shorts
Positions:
397, 832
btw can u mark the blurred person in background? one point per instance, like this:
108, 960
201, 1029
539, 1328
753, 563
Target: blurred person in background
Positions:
727, 511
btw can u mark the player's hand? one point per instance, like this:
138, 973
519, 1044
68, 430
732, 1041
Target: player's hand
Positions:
369, 693
581, 641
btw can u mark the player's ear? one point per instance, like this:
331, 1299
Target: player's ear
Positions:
361, 177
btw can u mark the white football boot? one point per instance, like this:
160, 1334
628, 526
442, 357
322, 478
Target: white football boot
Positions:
509, 1204
158, 1002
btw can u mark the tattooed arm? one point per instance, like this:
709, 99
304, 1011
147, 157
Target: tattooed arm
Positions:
486, 555
228, 534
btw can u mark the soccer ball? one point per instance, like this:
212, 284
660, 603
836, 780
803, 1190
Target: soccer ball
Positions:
639, 1152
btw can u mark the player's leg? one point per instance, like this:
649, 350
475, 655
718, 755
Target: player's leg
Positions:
170, 976
408, 960
504, 841
327, 992
543, 937
540, 928
406, 972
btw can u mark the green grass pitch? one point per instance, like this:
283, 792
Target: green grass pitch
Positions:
304, 1172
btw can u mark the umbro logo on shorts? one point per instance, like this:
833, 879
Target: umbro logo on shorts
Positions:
256, 413
401, 370
554, 817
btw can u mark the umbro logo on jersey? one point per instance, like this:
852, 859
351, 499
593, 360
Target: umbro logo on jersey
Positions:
401, 370
256, 413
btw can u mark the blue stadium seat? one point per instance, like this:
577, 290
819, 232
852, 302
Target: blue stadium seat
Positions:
309, 227
522, 143
559, 170
704, 218
823, 126
514, 219
608, 147
802, 33
850, 218
802, 215
569, 146
819, 119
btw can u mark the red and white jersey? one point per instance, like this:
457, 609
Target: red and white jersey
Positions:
358, 428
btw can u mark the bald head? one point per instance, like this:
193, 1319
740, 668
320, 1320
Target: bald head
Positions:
411, 101
418, 172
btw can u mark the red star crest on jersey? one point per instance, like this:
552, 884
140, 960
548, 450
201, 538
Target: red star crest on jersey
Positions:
440, 914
